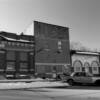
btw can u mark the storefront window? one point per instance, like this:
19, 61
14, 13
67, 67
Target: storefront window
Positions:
48, 69
59, 69
10, 66
23, 66
40, 69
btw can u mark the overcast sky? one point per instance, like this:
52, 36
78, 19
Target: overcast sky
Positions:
81, 16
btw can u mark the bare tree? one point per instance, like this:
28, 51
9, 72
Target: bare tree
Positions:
78, 46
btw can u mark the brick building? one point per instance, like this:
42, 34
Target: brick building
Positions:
52, 53
47, 51
16, 54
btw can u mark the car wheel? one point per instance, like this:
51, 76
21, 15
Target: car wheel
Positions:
71, 82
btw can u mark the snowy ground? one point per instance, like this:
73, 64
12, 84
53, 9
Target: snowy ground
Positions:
38, 90
37, 84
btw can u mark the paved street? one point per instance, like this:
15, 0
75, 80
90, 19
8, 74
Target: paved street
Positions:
61, 93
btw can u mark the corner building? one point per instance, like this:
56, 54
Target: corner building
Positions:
16, 54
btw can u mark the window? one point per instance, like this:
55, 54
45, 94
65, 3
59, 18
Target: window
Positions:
4, 42
83, 74
10, 66
13, 43
26, 45
77, 74
95, 67
77, 69
17, 44
77, 66
9, 43
22, 44
40, 69
23, 66
59, 46
48, 69
23, 56
59, 69
31, 45
10, 55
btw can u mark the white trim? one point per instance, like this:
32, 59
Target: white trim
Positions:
11, 39
51, 64
90, 53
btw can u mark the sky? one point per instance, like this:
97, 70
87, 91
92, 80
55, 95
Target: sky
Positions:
81, 16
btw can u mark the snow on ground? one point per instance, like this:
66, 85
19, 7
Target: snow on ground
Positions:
38, 84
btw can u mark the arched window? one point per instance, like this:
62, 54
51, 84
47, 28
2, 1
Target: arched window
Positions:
95, 67
77, 66
87, 67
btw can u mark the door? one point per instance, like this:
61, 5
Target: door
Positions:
77, 77
86, 78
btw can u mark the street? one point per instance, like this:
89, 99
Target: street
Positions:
58, 93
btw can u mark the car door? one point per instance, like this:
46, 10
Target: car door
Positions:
77, 77
85, 78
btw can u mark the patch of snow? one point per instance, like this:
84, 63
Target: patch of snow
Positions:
20, 85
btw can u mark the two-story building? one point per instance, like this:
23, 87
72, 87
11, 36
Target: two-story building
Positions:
16, 54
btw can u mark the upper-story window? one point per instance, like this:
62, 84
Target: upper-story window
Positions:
17, 44
11, 55
4, 42
26, 44
13, 43
23, 56
9, 43
59, 46
22, 44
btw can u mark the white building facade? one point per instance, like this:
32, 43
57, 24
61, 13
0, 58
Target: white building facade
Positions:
86, 61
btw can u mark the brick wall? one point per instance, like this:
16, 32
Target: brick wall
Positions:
51, 45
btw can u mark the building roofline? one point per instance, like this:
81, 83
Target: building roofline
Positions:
51, 24
84, 52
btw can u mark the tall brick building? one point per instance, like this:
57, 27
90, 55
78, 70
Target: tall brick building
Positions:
52, 51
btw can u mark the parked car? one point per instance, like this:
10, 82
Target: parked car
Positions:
83, 78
